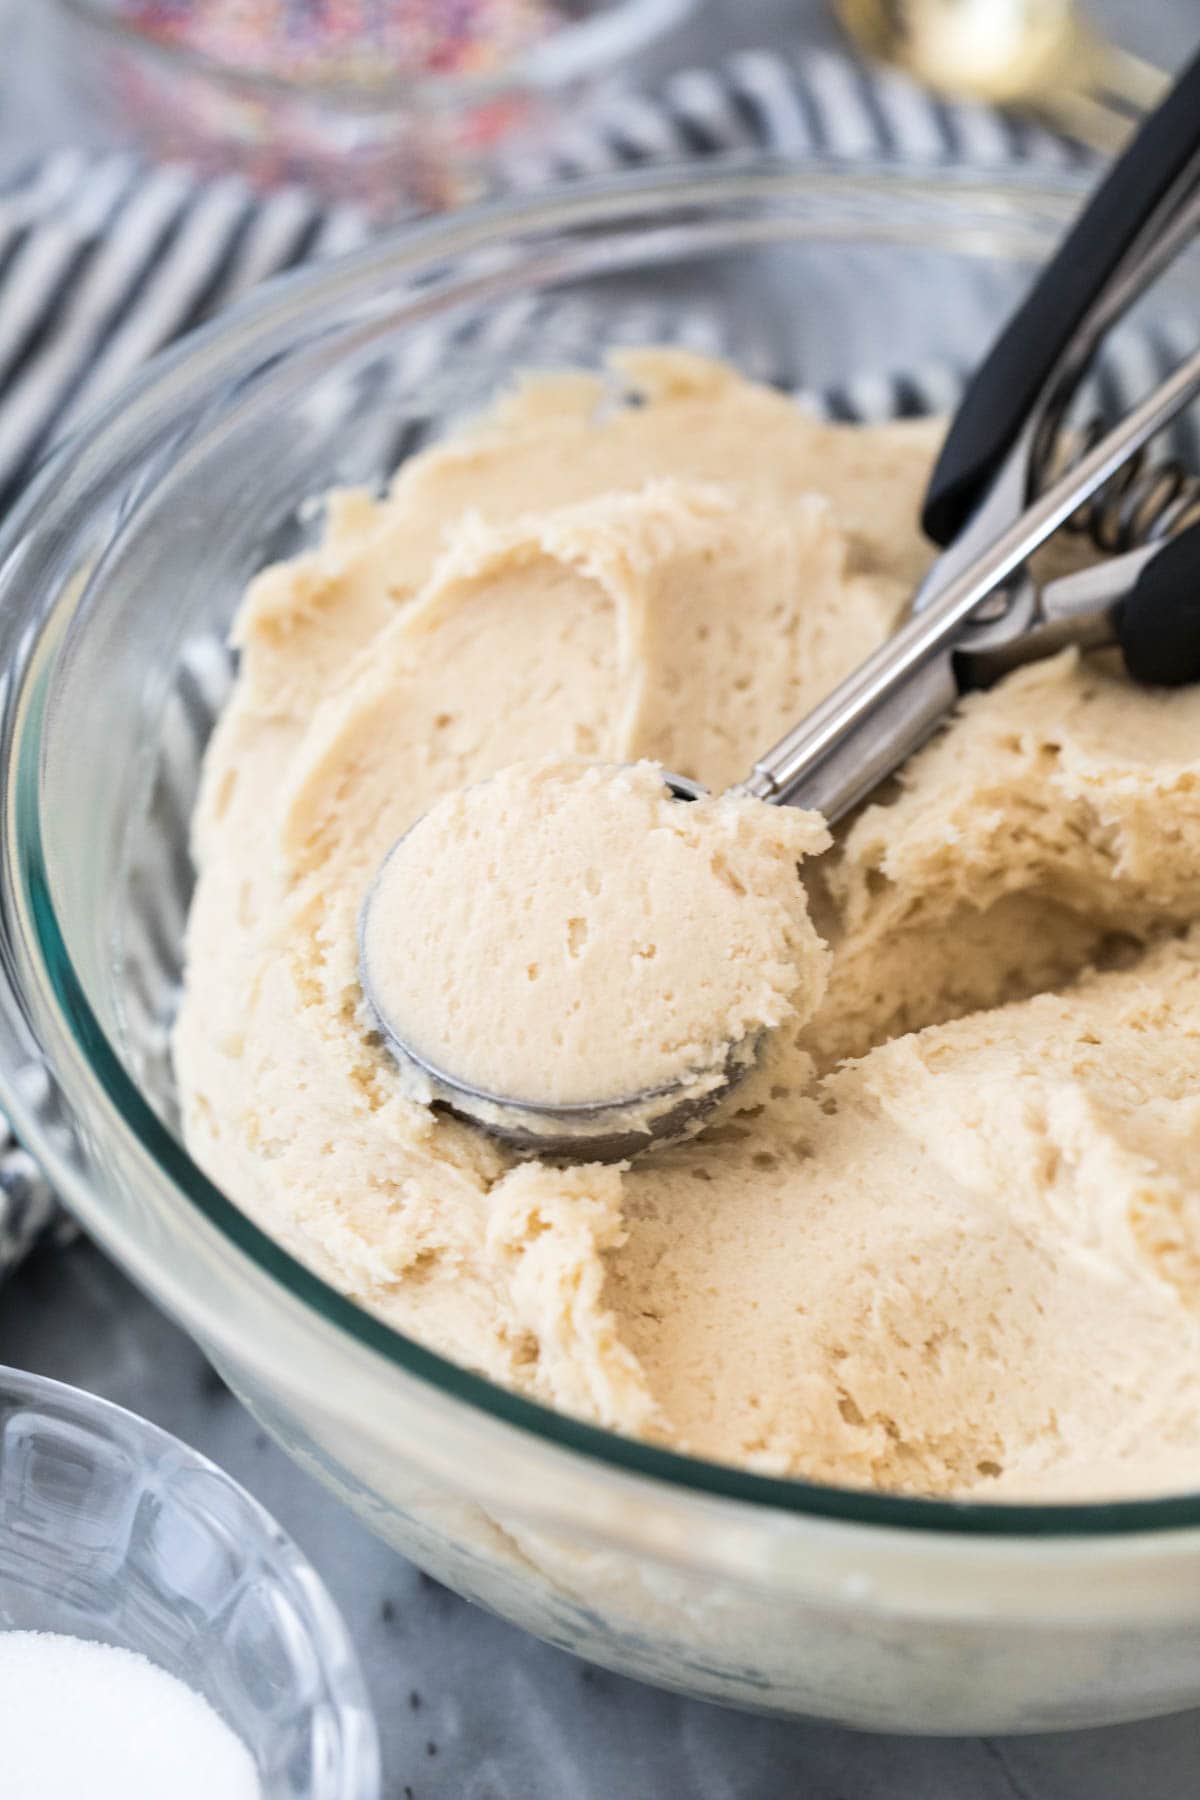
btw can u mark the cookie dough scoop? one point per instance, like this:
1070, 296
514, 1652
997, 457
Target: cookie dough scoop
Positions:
584, 958
582, 965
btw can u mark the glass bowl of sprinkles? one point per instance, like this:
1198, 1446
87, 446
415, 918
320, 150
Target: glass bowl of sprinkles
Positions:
394, 105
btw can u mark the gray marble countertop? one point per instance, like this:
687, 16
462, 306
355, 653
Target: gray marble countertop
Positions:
469, 1708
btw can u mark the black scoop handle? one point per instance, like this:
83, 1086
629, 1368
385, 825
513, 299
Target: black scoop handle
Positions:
1004, 390
1159, 620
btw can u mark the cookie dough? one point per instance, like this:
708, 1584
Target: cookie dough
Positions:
569, 932
895, 1254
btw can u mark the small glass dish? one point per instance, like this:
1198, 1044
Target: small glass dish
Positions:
395, 109
113, 1531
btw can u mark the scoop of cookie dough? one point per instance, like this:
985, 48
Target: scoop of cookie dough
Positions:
569, 932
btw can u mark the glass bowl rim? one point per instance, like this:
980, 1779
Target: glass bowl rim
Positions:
328, 1634
253, 321
587, 47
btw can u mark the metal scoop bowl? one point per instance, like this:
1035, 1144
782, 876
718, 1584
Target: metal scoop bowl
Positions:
584, 1131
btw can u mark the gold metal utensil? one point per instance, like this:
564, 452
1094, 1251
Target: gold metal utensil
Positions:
1037, 56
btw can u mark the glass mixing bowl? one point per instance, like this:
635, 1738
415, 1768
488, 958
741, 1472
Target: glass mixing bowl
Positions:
118, 576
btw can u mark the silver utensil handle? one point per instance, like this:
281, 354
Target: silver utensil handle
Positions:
881, 712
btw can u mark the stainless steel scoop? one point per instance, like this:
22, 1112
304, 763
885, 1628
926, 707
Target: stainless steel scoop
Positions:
978, 612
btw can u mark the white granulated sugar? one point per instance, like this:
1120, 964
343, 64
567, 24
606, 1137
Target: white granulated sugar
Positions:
90, 1719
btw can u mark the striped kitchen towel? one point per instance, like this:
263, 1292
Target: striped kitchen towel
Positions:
104, 260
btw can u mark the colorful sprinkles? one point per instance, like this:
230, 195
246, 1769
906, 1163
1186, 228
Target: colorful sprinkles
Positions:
365, 41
